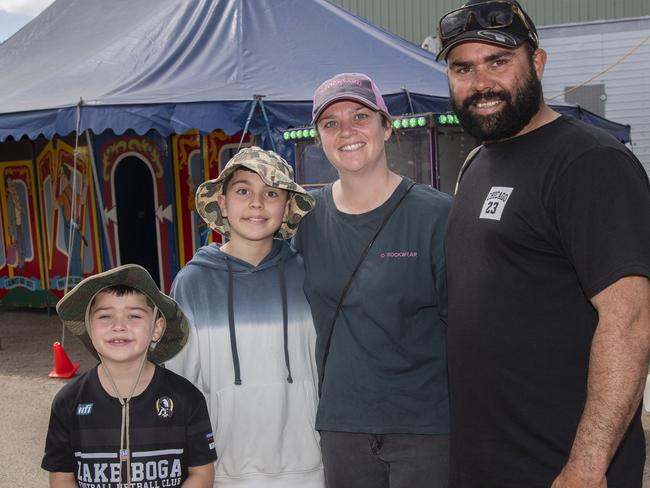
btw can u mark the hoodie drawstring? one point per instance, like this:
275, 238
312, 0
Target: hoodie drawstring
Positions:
285, 318
231, 324
231, 321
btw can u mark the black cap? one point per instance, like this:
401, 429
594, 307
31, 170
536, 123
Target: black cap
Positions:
510, 36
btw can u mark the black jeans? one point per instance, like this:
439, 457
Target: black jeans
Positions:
385, 460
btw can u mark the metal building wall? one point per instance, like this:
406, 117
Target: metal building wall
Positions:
411, 19
617, 53
416, 19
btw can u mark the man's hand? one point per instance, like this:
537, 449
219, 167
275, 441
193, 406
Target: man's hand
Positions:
569, 479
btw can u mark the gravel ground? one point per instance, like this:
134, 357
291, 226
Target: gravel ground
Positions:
26, 339
26, 358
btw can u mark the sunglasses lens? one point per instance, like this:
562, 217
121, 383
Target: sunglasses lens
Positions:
491, 15
494, 17
454, 23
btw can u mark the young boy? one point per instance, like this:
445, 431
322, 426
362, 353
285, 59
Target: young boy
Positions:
251, 346
128, 422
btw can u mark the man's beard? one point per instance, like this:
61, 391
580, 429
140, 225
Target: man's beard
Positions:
507, 122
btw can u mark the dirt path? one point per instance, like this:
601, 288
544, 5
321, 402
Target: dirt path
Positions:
26, 392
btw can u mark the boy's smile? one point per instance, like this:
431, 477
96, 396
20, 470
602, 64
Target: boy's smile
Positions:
121, 327
254, 210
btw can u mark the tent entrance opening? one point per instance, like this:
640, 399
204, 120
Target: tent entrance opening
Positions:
136, 215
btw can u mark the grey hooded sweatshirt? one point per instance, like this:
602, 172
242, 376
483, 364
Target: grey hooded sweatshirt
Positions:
251, 353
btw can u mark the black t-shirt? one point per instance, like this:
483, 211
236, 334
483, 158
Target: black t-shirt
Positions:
387, 367
169, 427
541, 223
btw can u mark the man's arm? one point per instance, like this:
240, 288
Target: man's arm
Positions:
618, 365
200, 476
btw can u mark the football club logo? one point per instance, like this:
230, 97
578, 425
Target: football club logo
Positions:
84, 408
210, 438
165, 407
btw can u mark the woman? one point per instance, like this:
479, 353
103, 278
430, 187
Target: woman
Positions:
383, 413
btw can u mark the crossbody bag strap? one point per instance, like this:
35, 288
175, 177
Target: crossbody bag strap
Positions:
346, 288
465, 166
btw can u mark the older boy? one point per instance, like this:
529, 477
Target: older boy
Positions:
127, 420
251, 347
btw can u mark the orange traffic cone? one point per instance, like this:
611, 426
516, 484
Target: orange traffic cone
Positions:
63, 367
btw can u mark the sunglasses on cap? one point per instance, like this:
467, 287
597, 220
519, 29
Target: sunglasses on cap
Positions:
488, 15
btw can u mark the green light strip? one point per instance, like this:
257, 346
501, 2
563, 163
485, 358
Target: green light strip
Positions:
399, 123
448, 119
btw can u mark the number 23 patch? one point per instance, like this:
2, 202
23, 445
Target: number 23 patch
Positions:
495, 202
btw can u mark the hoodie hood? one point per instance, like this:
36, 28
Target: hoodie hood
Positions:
211, 256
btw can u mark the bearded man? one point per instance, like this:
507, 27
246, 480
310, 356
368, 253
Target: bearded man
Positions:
548, 259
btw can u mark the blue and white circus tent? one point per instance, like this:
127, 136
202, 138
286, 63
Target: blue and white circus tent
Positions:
175, 65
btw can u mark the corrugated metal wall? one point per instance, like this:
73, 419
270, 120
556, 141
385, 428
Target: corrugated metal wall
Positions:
618, 54
416, 19
411, 19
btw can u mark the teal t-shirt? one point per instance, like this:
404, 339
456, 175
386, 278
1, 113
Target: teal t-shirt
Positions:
386, 371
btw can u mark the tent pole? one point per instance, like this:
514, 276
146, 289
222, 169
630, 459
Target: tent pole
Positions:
248, 120
73, 200
408, 97
202, 138
73, 204
91, 156
266, 120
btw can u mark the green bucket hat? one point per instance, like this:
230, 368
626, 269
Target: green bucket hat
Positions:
72, 308
274, 171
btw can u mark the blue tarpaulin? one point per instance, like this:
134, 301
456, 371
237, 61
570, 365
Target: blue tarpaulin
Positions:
174, 65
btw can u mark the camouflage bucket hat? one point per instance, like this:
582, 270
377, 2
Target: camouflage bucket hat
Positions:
72, 308
274, 172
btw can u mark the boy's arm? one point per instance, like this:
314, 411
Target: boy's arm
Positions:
200, 476
66, 480
58, 457
200, 452
187, 362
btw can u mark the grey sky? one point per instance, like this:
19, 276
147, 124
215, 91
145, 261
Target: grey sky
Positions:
14, 14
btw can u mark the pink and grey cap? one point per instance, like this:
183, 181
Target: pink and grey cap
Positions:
348, 86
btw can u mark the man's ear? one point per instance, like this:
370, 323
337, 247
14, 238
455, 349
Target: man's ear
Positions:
539, 62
